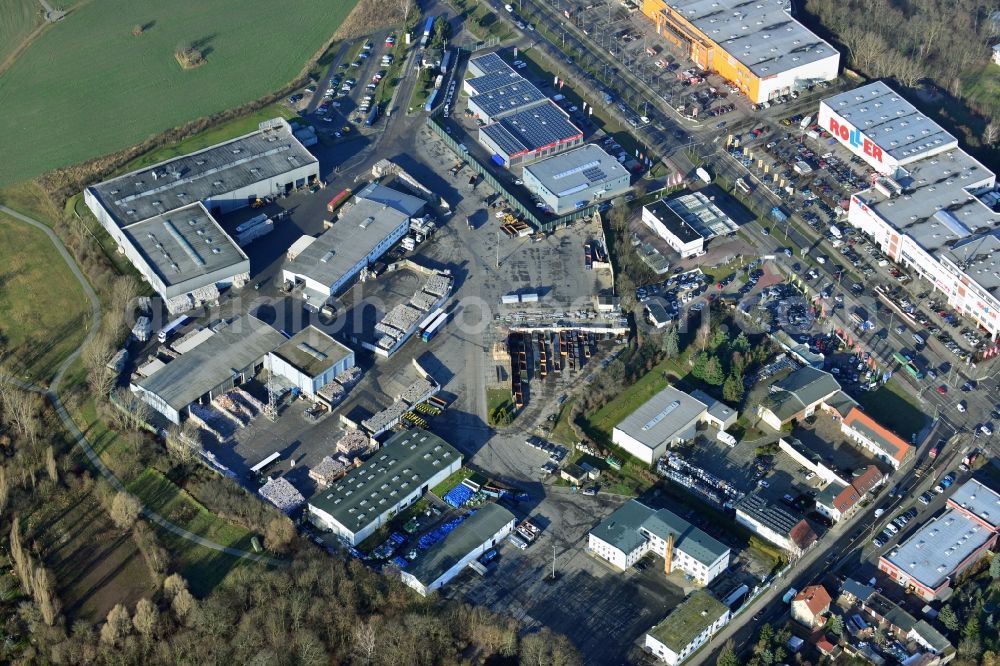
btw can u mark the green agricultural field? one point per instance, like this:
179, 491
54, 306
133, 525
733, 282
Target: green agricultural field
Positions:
43, 313
88, 86
18, 18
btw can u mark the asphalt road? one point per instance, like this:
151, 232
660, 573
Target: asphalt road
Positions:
838, 548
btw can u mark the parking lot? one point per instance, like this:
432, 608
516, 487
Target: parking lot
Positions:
601, 610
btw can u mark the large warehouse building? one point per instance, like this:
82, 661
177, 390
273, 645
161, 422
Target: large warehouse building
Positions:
516, 95
227, 358
408, 465
310, 360
162, 216
925, 211
368, 226
755, 45
481, 531
945, 546
669, 417
528, 135
576, 178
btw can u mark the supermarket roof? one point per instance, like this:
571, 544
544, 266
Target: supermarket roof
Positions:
405, 462
895, 125
532, 129
233, 348
760, 34
511, 98
576, 170
688, 619
937, 208
488, 63
184, 244
937, 549
661, 417
225, 167
623, 530
470, 534
979, 500
365, 222
488, 82
312, 351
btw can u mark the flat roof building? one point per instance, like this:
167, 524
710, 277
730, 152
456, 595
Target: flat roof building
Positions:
682, 238
528, 135
481, 531
576, 178
517, 95
375, 219
758, 47
310, 360
488, 63
481, 85
669, 417
941, 549
162, 216
688, 626
925, 211
234, 354
408, 465
635, 529
979, 502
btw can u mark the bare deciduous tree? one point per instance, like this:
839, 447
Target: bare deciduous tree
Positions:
125, 510
279, 534
117, 626
43, 587
991, 133
147, 618
365, 641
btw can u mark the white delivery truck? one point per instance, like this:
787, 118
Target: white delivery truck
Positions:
703, 175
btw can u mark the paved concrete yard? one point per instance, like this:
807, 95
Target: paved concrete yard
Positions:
601, 610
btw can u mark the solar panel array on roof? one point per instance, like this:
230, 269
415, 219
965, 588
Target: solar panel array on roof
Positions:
488, 63
515, 96
533, 129
594, 174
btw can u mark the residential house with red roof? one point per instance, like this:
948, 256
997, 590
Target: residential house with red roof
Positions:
810, 606
864, 431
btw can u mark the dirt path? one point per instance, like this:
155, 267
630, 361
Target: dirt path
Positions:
52, 394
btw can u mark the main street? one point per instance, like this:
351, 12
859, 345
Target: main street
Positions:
842, 545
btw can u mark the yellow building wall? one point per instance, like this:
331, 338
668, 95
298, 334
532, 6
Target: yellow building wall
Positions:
703, 51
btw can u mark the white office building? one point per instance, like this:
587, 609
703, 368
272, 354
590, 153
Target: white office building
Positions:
576, 179
687, 627
368, 226
635, 529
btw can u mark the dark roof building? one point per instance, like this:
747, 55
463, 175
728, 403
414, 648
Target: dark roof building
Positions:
775, 524
517, 95
408, 465
797, 396
530, 134
444, 560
